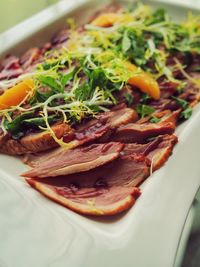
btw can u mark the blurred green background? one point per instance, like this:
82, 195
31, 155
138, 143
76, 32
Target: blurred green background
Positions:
15, 11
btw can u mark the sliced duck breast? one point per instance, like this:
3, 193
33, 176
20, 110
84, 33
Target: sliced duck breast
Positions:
37, 142
139, 133
99, 129
156, 151
77, 160
106, 190
111, 120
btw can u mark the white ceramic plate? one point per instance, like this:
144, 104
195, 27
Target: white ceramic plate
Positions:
35, 231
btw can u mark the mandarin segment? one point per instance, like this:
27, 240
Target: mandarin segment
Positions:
144, 81
15, 95
107, 20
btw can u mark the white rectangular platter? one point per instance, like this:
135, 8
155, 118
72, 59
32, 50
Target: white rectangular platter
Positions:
37, 232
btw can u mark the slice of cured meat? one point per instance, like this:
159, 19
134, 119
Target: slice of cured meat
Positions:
106, 190
11, 73
168, 88
111, 120
99, 128
77, 160
10, 68
156, 151
169, 116
61, 37
161, 154
139, 133
111, 188
36, 142
163, 104
29, 57
164, 116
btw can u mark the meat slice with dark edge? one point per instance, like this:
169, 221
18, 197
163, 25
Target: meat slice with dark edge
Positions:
103, 126
29, 57
106, 190
10, 68
111, 188
99, 129
162, 152
156, 151
37, 142
164, 117
139, 133
77, 160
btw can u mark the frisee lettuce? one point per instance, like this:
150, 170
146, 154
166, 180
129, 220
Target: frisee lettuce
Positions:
81, 78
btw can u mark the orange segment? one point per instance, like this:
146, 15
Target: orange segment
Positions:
15, 95
144, 82
107, 20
